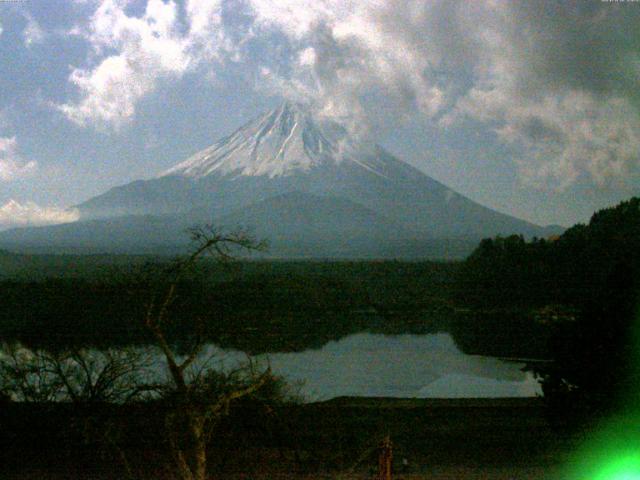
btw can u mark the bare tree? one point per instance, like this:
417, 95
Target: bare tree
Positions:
76, 375
197, 396
197, 401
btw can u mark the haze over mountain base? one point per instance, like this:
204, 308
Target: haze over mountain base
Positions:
300, 182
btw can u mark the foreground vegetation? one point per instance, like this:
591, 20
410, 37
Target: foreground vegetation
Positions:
336, 439
570, 300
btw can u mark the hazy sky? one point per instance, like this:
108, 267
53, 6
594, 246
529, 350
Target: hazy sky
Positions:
529, 107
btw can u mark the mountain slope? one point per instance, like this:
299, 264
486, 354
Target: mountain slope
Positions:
288, 150
125, 234
296, 225
303, 225
296, 179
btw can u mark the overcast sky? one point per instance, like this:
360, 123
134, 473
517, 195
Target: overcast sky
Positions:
529, 107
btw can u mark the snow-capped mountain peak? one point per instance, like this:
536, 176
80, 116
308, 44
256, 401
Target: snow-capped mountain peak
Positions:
282, 142
300, 181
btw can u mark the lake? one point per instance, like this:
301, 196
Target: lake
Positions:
376, 365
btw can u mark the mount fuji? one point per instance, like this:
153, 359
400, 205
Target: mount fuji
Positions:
299, 181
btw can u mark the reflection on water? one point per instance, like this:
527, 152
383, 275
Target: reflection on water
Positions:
375, 365
422, 366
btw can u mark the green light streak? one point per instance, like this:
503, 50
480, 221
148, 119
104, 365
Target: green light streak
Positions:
623, 468
613, 450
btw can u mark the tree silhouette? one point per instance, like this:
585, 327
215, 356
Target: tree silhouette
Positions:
198, 400
591, 270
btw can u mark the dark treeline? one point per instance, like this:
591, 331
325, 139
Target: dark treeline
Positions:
252, 306
582, 288
567, 269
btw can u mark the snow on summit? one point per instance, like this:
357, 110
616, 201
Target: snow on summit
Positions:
282, 142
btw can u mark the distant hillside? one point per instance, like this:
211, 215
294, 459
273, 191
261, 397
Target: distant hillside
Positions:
299, 181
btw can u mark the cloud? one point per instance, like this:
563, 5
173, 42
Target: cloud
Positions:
564, 136
4, 118
15, 214
147, 48
136, 53
12, 166
556, 81
206, 37
361, 50
32, 33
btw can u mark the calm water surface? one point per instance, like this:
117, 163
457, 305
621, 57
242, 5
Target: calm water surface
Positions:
376, 365
419, 366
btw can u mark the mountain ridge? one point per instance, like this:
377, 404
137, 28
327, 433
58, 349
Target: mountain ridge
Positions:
289, 154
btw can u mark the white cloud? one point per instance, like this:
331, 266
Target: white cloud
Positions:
32, 33
551, 85
564, 136
147, 48
4, 119
555, 80
349, 51
297, 18
12, 166
307, 57
15, 214
567, 136
137, 52
206, 36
